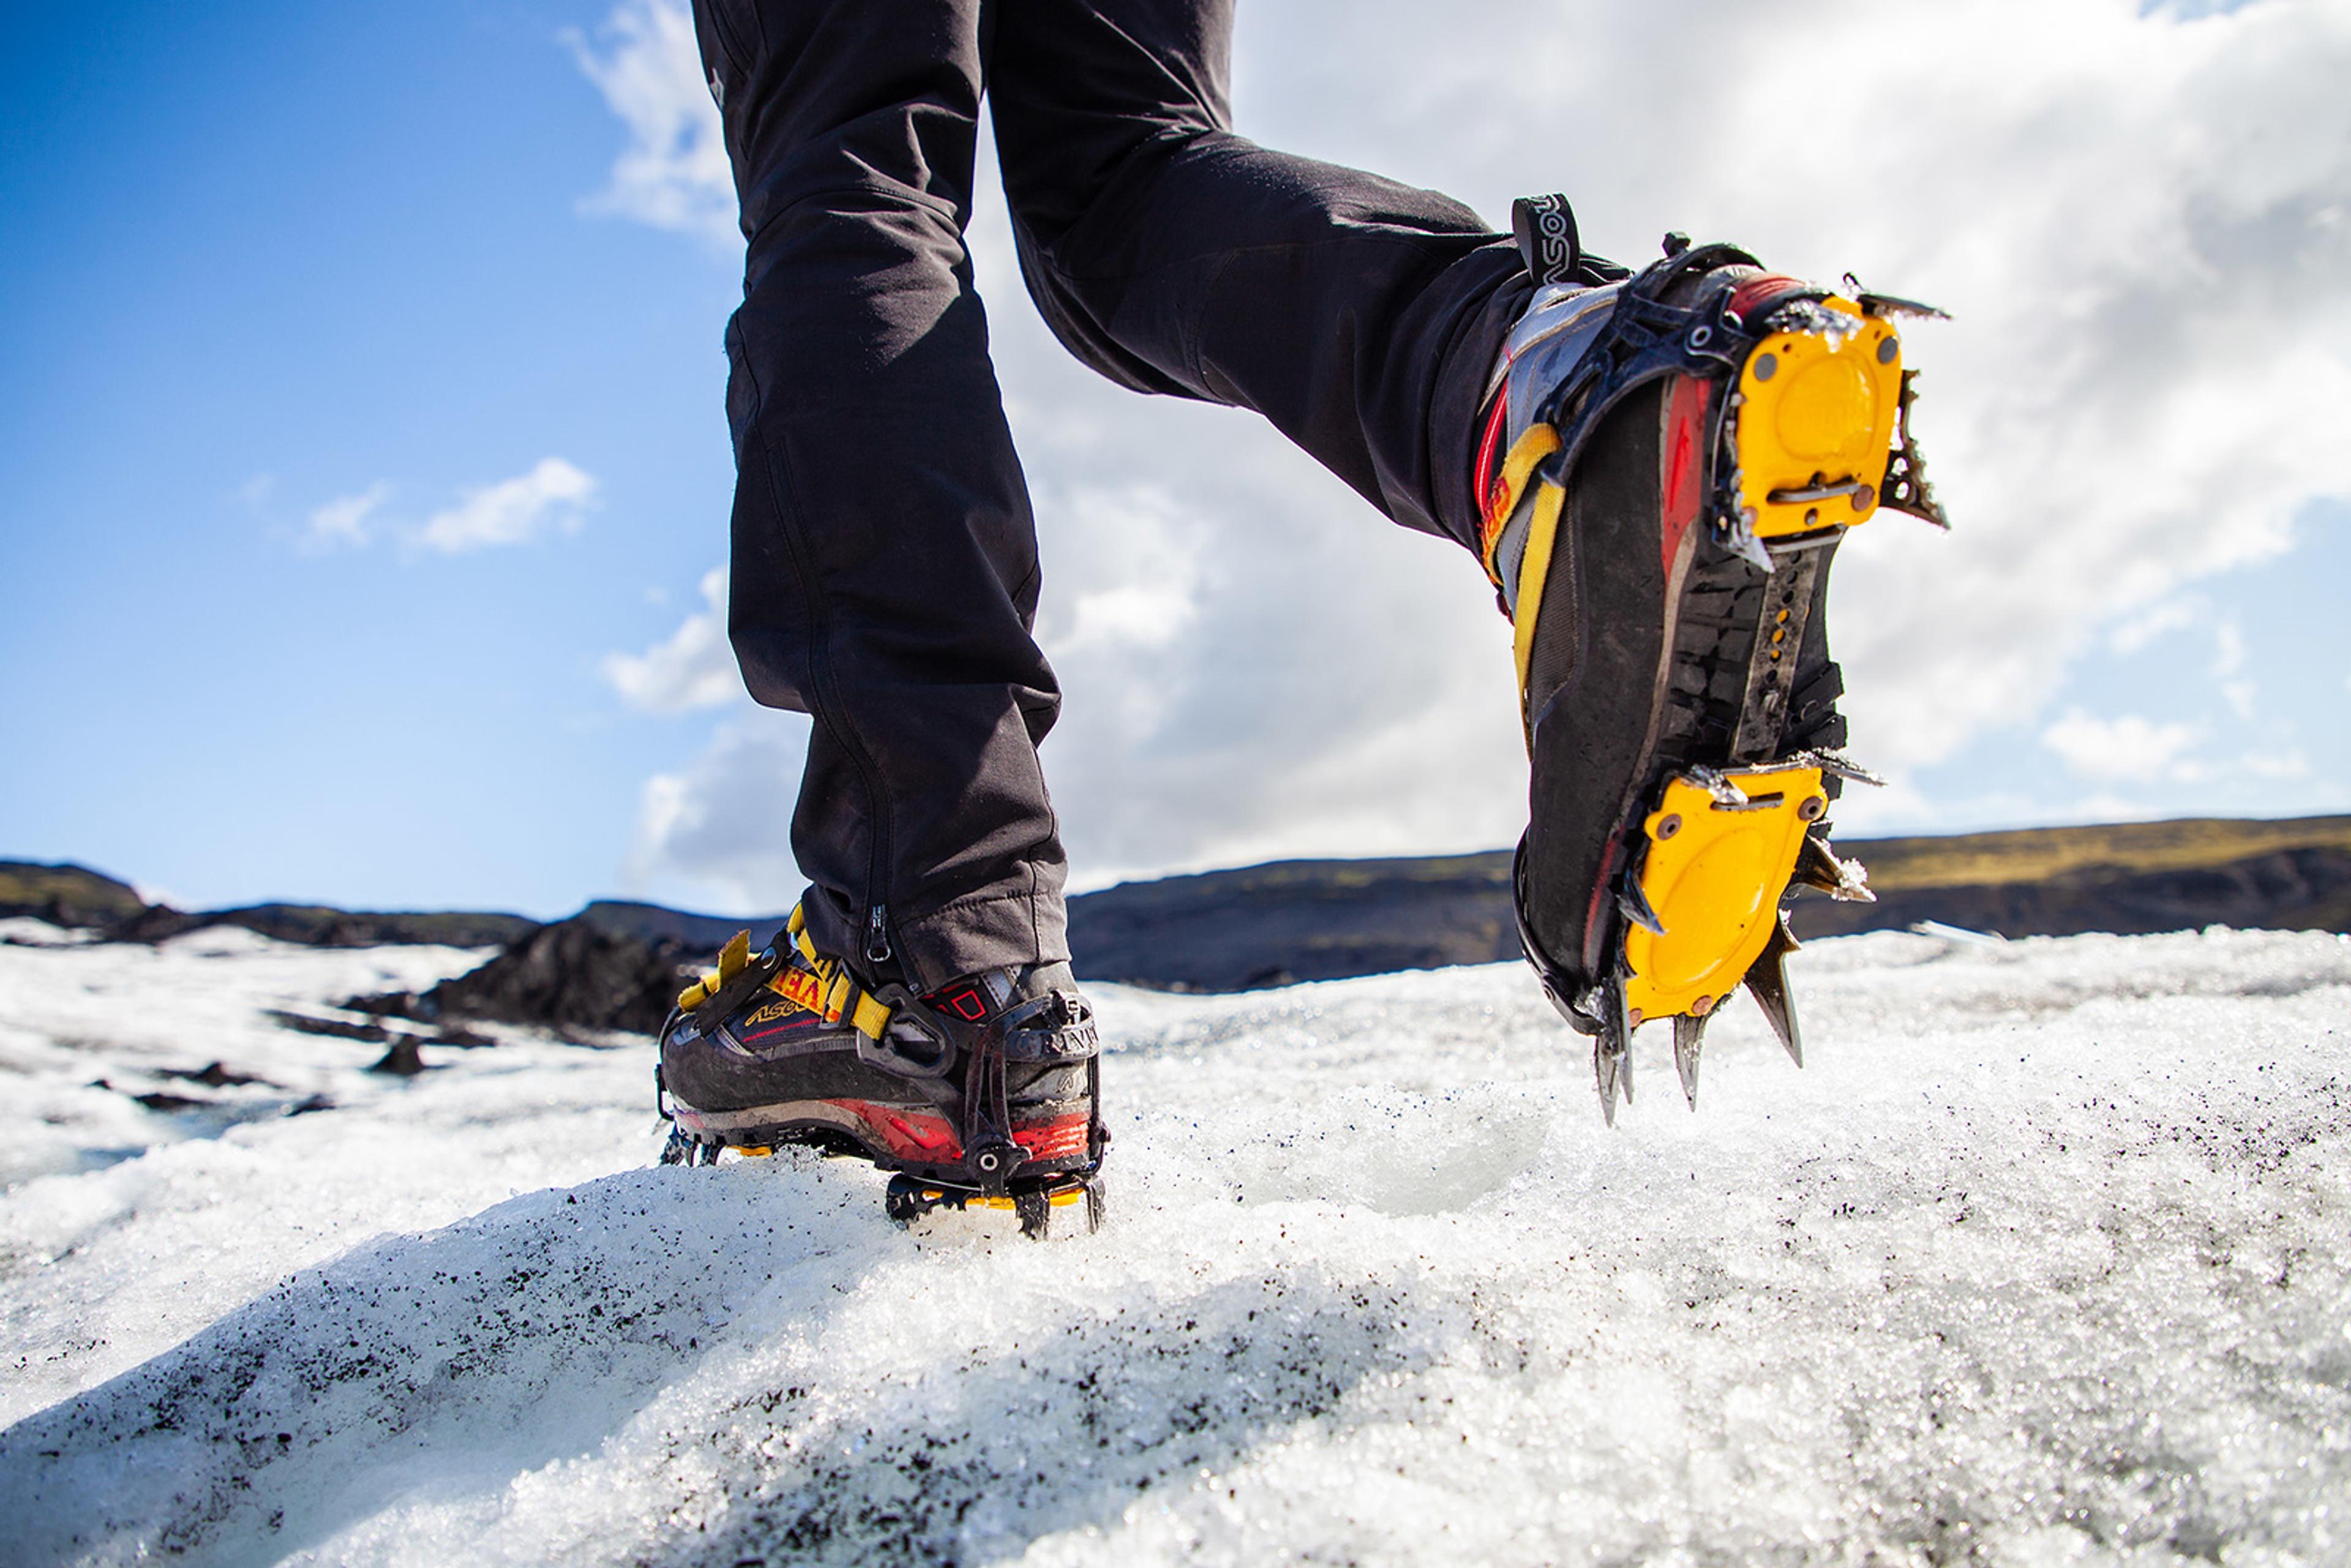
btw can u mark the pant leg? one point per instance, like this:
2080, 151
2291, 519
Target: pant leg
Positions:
884, 562
1360, 316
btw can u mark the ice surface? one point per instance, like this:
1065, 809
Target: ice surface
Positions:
2045, 1257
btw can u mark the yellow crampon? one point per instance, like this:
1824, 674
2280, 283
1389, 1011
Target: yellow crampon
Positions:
824, 987
1815, 420
1715, 859
1718, 853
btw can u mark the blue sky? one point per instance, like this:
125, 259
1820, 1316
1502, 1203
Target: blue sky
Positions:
363, 463
275, 256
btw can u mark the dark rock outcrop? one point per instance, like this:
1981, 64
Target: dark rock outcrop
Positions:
319, 925
70, 896
569, 975
403, 1060
703, 934
338, 1028
77, 898
213, 1075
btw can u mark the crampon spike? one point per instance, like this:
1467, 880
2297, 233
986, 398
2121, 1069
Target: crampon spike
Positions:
1612, 1051
1838, 765
1739, 538
1688, 1032
1818, 866
1767, 982
1634, 905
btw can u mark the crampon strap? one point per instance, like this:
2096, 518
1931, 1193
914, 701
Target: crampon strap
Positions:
838, 994
825, 988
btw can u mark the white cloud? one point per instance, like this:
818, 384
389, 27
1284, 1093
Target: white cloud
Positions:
2228, 649
2290, 763
2130, 217
512, 511
694, 668
2123, 749
674, 172
2174, 614
2138, 221
343, 523
716, 834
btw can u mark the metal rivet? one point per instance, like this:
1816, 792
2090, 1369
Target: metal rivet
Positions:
1701, 1007
1766, 366
1811, 516
1864, 498
1633, 1017
1886, 348
1670, 825
1810, 810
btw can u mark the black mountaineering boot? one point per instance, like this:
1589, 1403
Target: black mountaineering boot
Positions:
983, 1092
1669, 460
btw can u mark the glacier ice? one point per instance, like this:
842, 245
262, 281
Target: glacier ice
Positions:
2046, 1256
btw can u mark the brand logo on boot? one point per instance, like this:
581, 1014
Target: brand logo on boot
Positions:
966, 1004
802, 988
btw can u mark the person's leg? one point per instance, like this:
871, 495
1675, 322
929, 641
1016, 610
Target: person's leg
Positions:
1686, 446
884, 564
1360, 316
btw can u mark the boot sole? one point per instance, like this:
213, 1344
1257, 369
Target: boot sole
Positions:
1664, 835
893, 1137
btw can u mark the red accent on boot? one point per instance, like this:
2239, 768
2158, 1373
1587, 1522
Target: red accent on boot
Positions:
1060, 1138
1767, 289
960, 997
1482, 475
1685, 463
908, 1134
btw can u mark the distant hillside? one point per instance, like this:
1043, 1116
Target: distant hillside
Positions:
1296, 920
1311, 920
75, 896
1303, 920
65, 894
2036, 854
2128, 878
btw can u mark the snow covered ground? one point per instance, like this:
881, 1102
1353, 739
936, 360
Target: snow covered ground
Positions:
2047, 1257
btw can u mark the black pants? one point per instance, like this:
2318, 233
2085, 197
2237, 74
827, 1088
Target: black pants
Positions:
884, 572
